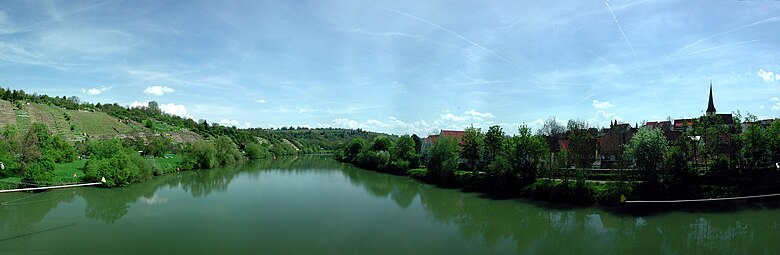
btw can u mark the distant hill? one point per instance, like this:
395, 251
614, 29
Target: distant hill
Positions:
317, 139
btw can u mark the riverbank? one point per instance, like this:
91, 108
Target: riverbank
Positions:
568, 192
315, 205
74, 172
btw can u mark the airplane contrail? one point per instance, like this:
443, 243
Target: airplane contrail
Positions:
772, 19
462, 38
621, 29
722, 46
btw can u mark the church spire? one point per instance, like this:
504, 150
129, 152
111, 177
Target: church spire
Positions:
710, 105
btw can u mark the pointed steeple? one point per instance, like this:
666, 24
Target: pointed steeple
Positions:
710, 105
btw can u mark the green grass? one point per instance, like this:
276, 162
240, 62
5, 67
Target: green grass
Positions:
22, 120
167, 164
55, 120
97, 123
63, 172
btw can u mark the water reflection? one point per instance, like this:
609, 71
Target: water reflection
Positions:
530, 228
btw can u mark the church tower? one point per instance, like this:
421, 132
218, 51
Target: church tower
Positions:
710, 106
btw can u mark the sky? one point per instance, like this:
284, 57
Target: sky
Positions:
400, 67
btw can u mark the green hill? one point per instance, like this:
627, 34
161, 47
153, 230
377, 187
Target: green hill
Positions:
76, 121
77, 125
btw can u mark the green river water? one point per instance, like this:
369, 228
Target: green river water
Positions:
315, 205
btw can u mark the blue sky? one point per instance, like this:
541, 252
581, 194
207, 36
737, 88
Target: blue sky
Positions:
400, 66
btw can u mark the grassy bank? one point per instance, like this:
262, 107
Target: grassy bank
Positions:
74, 172
558, 191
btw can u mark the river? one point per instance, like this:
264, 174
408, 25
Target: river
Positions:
315, 205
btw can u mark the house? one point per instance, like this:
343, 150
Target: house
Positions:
429, 141
612, 141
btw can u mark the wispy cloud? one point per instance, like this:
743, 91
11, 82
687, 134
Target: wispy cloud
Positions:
364, 32
721, 46
759, 22
491, 52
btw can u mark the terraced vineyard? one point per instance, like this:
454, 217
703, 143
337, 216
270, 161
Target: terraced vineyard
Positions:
78, 125
53, 117
7, 115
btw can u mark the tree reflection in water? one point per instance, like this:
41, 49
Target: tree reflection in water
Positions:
531, 228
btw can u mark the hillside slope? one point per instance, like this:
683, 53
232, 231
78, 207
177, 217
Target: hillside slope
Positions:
77, 125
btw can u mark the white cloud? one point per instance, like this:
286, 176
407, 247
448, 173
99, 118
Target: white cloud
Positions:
602, 105
761, 107
175, 109
603, 118
136, 104
247, 125
447, 121
158, 90
768, 76
453, 117
475, 114
260, 101
776, 106
774, 99
228, 123
94, 91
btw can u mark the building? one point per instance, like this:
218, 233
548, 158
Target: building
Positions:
429, 141
611, 143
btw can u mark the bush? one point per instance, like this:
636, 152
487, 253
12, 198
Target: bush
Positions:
609, 194
199, 155
256, 151
417, 173
119, 170
227, 152
41, 171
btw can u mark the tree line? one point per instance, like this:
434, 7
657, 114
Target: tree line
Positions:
709, 160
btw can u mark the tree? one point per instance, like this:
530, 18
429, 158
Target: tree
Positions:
443, 159
199, 155
494, 140
120, 166
28, 150
582, 145
417, 144
381, 143
41, 171
711, 131
755, 147
678, 176
773, 140
353, 149
646, 150
157, 146
154, 108
227, 152
404, 153
552, 131
473, 145
255, 151
526, 155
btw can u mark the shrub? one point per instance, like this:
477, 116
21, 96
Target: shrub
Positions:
199, 155
42, 171
119, 170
